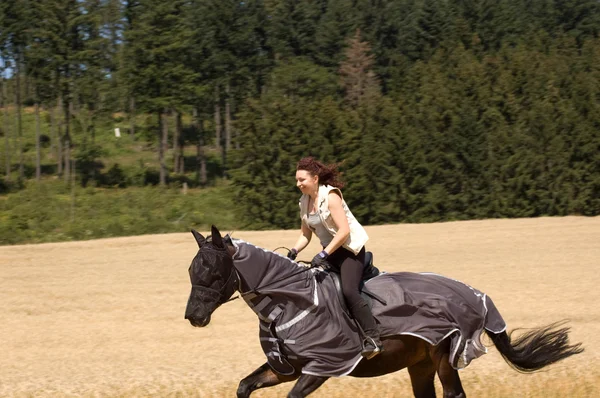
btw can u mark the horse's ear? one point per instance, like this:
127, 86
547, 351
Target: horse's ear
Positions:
199, 238
217, 240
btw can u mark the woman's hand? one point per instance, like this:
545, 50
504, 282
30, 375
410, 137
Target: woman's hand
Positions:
292, 253
320, 260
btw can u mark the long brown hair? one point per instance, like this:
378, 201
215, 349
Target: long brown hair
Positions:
328, 174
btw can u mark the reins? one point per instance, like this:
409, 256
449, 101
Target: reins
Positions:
256, 289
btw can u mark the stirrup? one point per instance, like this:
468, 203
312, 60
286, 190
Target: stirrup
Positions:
368, 352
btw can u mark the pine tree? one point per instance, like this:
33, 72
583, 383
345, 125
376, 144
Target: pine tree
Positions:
14, 36
156, 40
358, 79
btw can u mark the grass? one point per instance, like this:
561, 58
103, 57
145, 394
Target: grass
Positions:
49, 211
104, 318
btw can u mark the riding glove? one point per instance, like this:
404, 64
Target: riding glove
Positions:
292, 253
320, 260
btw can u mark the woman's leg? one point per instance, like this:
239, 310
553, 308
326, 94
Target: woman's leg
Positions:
351, 269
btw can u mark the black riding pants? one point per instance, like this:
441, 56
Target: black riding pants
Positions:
350, 266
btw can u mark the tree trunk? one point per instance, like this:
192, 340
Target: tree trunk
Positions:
181, 143
217, 118
73, 192
132, 117
163, 134
200, 157
227, 118
38, 169
176, 142
59, 141
19, 120
53, 132
92, 125
6, 129
27, 86
67, 156
67, 141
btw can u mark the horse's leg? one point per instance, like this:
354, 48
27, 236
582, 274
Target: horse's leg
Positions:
261, 378
449, 377
305, 385
422, 375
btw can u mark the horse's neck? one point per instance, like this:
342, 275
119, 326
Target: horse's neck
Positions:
259, 267
273, 285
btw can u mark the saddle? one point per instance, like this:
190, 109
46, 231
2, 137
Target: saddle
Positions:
369, 271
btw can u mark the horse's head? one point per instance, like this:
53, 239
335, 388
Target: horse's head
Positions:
212, 275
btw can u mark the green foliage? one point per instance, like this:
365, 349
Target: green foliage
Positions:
436, 110
51, 212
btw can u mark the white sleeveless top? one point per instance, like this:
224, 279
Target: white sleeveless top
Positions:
358, 236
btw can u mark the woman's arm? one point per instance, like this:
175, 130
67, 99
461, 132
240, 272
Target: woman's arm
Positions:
341, 221
304, 239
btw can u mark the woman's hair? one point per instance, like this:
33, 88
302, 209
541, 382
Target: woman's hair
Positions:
328, 174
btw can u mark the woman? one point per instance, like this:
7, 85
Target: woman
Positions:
324, 212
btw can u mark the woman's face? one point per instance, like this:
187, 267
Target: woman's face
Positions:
306, 182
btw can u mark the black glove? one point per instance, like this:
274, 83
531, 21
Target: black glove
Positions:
292, 254
320, 260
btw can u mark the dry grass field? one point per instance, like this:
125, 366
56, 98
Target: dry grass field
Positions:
104, 318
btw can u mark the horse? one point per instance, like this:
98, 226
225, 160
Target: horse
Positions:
269, 282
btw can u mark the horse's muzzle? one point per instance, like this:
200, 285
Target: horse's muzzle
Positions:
199, 322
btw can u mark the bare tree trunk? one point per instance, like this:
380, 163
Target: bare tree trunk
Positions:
27, 86
67, 156
67, 141
53, 148
227, 118
181, 144
59, 141
162, 146
200, 157
6, 128
132, 117
19, 120
73, 193
217, 118
38, 169
176, 142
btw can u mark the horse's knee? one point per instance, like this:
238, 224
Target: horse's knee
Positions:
305, 385
261, 377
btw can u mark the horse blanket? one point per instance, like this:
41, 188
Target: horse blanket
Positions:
301, 320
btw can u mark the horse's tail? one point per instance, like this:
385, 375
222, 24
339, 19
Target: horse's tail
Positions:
537, 348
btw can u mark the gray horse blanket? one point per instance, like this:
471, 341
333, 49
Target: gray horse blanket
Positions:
302, 320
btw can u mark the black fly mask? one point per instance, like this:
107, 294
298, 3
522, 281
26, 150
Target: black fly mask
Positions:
213, 278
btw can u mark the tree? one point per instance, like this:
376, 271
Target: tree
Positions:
14, 36
158, 79
356, 72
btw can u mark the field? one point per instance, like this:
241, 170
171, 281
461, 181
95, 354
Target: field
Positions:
104, 318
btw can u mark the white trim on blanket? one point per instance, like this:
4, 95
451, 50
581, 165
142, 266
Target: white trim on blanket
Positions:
357, 361
304, 313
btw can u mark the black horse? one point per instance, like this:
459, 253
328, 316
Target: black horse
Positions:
215, 278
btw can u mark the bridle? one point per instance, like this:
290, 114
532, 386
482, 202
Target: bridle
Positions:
218, 294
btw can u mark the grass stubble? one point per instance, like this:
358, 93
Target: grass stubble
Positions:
104, 318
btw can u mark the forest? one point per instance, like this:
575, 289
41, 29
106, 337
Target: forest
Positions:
435, 110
